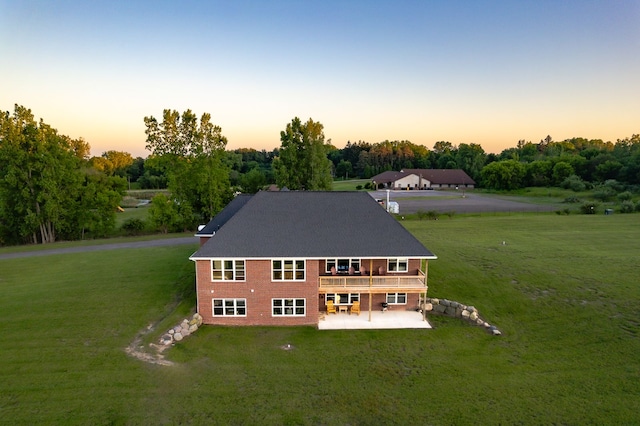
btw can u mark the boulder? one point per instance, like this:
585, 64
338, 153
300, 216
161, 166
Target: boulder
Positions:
428, 307
178, 337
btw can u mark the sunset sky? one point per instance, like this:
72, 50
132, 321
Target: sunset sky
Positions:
487, 72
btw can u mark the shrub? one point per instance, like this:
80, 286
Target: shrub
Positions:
421, 214
589, 207
563, 212
638, 206
624, 196
358, 187
574, 183
572, 200
604, 194
627, 207
134, 226
433, 215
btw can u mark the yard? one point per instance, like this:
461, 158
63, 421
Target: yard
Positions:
562, 289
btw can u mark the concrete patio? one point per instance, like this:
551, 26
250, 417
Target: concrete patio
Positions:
379, 320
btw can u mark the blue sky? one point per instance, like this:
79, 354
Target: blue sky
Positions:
487, 72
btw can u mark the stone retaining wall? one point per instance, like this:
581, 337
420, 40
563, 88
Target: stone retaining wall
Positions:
458, 310
184, 329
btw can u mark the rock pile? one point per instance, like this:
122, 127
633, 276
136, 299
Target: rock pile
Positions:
184, 329
458, 310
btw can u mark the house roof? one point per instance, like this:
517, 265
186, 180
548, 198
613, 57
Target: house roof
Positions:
224, 215
435, 176
310, 224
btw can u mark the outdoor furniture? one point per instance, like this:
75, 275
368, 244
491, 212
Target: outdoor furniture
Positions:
333, 270
355, 308
352, 270
331, 308
343, 308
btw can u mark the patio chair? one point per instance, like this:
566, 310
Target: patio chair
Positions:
355, 308
333, 271
331, 308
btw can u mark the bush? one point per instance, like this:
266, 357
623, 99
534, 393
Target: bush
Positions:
563, 212
134, 226
358, 187
589, 208
627, 207
604, 194
572, 200
574, 183
638, 206
624, 196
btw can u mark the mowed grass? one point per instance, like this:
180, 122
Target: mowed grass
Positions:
562, 289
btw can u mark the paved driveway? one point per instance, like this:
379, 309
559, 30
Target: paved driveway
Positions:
453, 201
115, 246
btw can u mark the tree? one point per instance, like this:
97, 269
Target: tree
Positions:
192, 154
302, 162
507, 174
42, 179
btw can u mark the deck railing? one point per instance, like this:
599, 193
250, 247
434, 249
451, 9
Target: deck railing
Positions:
377, 283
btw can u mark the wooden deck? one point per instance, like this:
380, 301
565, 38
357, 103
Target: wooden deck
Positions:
372, 284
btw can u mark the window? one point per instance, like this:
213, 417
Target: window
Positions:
287, 270
227, 270
397, 298
288, 307
229, 307
343, 298
397, 265
342, 265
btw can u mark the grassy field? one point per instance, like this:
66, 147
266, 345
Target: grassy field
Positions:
562, 289
349, 185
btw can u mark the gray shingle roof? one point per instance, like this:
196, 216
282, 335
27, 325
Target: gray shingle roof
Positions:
300, 224
435, 176
225, 214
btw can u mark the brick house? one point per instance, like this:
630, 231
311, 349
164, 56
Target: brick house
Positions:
278, 258
424, 179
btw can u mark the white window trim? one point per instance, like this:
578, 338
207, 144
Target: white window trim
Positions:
224, 307
233, 270
304, 270
352, 262
295, 305
397, 261
395, 297
353, 297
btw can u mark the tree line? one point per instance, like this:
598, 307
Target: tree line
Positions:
51, 189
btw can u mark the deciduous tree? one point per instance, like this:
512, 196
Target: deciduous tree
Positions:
302, 162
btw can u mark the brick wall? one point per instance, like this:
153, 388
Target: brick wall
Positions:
258, 290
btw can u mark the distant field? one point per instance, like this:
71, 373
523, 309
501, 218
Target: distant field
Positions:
562, 289
349, 185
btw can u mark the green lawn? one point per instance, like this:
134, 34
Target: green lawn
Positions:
562, 289
349, 185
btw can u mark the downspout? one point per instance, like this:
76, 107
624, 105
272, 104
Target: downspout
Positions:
370, 285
